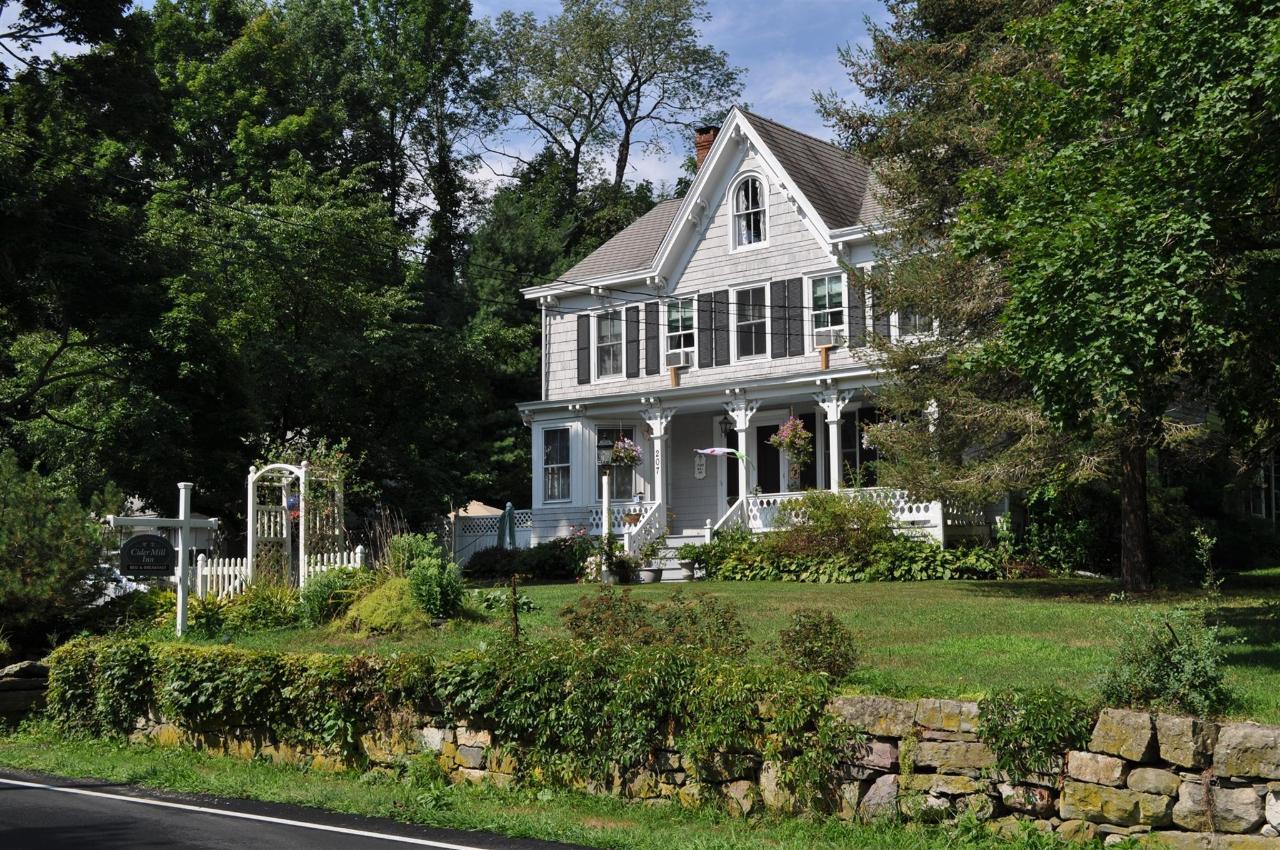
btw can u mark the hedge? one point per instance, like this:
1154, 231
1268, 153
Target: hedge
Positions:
571, 709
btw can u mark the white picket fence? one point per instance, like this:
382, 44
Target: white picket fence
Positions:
224, 578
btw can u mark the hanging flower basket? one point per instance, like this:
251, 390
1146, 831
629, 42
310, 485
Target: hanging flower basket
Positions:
794, 440
626, 453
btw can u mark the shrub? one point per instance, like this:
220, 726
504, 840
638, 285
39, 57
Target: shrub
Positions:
437, 587
263, 605
823, 523
135, 612
207, 617
405, 550
49, 555
389, 608
1172, 660
498, 601
1028, 730
328, 595
496, 562
613, 616
816, 642
560, 559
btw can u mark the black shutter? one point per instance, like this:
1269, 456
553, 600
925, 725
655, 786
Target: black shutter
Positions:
857, 307
778, 319
720, 318
795, 317
652, 347
706, 354
632, 315
584, 349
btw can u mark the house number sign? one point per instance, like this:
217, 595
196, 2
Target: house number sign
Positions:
699, 467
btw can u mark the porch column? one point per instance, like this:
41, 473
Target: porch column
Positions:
741, 409
658, 418
832, 402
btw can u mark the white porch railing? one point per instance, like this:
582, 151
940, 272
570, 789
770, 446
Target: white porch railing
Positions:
764, 511
652, 525
473, 533
621, 516
735, 517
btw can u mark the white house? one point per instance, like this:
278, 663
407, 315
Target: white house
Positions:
705, 324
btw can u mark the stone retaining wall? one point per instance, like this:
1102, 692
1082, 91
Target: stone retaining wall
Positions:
22, 688
1183, 781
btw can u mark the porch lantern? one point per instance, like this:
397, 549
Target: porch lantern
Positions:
604, 452
726, 427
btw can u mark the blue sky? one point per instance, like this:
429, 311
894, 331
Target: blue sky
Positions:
788, 49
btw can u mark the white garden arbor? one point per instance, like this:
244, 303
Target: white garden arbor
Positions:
295, 522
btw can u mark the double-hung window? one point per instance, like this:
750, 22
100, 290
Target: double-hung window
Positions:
913, 323
609, 344
622, 480
680, 325
828, 308
555, 465
752, 332
748, 212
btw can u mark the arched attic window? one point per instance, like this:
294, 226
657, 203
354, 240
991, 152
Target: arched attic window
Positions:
749, 225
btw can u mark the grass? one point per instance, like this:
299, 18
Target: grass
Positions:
946, 639
524, 813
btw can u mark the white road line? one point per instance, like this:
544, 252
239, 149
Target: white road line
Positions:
84, 792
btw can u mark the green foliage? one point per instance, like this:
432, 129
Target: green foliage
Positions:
824, 523
1171, 660
388, 608
498, 601
134, 612
437, 588
328, 595
616, 617
1028, 730
404, 551
262, 605
49, 552
741, 556
560, 559
816, 642
207, 616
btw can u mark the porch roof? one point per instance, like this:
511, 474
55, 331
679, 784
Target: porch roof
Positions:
860, 379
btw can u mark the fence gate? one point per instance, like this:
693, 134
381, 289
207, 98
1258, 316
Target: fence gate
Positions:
295, 522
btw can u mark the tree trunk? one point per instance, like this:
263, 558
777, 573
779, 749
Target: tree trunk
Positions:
1135, 554
624, 154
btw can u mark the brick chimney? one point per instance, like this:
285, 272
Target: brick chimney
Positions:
703, 139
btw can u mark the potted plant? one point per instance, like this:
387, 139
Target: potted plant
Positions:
650, 571
795, 441
626, 453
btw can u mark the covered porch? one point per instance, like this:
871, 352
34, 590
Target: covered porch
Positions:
681, 494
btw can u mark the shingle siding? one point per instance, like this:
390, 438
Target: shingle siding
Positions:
792, 252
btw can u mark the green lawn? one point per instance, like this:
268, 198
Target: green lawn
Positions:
952, 639
547, 814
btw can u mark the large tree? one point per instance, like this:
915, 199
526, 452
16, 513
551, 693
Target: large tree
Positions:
608, 75
1132, 209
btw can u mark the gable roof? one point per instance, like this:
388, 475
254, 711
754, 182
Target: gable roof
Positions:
632, 250
834, 180
838, 187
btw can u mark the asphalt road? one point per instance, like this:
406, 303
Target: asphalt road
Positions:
48, 813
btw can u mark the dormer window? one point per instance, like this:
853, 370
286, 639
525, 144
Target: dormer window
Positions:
748, 212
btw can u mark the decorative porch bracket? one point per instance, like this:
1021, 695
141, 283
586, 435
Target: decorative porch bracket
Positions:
657, 418
741, 409
833, 402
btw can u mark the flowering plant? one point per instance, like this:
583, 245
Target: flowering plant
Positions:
626, 453
792, 438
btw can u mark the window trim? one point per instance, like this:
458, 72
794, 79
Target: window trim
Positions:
567, 465
895, 326
733, 213
596, 377
734, 356
666, 334
810, 325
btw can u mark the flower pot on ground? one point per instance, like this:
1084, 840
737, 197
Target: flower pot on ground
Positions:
650, 573
686, 570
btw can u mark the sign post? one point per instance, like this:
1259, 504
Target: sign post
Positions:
143, 554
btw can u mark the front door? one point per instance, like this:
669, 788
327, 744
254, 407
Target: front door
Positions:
768, 461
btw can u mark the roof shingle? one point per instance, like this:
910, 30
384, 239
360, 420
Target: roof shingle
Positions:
633, 249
